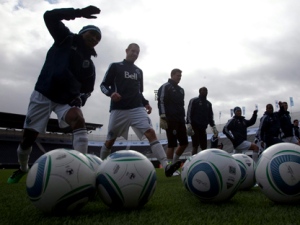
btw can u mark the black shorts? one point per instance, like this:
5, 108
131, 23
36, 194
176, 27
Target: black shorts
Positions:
176, 132
199, 138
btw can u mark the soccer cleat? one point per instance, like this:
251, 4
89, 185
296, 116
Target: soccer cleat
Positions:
16, 176
171, 168
176, 173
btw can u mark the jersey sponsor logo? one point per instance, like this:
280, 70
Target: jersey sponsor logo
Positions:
130, 76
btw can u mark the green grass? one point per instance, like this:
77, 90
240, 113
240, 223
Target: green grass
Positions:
171, 204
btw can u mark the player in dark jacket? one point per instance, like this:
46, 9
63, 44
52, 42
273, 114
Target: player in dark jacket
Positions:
64, 84
123, 83
199, 115
170, 104
286, 125
236, 131
269, 127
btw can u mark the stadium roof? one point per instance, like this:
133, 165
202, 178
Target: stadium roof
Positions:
16, 121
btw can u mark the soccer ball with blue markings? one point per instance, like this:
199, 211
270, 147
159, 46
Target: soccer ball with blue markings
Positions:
277, 173
126, 179
61, 181
213, 176
247, 166
185, 169
94, 160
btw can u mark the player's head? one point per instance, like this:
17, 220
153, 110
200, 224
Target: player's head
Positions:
285, 105
91, 35
132, 52
237, 111
176, 75
296, 122
203, 91
269, 108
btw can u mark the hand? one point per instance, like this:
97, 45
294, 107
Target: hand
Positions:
163, 116
87, 12
215, 131
255, 112
84, 97
77, 102
189, 130
115, 97
163, 124
148, 109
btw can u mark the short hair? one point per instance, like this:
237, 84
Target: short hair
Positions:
175, 71
132, 44
202, 88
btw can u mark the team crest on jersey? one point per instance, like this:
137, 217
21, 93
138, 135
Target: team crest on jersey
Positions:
85, 64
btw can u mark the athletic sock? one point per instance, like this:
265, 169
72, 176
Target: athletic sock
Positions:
159, 153
23, 158
104, 152
255, 156
175, 157
80, 140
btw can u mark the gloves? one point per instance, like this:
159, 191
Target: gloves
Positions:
255, 112
163, 122
84, 97
87, 12
215, 131
189, 130
77, 102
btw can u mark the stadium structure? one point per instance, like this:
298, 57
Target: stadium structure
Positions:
11, 126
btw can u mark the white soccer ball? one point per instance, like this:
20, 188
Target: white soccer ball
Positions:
61, 181
247, 166
277, 173
126, 179
94, 160
185, 169
213, 176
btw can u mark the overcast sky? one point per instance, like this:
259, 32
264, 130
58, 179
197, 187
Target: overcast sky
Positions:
246, 52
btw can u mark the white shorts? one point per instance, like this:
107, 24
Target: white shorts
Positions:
244, 146
39, 111
121, 120
292, 139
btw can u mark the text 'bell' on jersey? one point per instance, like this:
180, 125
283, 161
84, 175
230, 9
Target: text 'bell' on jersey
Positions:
126, 79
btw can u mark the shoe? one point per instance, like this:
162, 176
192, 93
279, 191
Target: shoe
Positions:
16, 176
176, 173
171, 168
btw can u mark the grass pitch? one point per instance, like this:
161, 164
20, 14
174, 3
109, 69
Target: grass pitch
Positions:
171, 204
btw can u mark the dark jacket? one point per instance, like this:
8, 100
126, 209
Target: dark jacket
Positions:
170, 101
269, 126
236, 129
200, 113
285, 123
68, 69
126, 79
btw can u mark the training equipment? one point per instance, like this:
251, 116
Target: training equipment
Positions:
247, 166
277, 173
95, 161
126, 179
213, 176
185, 169
61, 181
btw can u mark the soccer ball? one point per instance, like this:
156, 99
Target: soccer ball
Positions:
277, 173
126, 179
247, 166
185, 169
213, 176
94, 160
61, 181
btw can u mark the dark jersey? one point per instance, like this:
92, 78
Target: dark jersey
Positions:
126, 79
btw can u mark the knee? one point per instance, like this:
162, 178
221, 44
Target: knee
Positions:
29, 137
150, 135
75, 119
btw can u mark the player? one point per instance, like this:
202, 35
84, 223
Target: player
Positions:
172, 116
64, 84
123, 83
